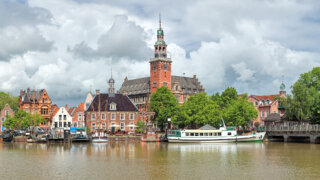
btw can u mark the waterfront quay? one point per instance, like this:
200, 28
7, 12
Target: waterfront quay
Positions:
139, 160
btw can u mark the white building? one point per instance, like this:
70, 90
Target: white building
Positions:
61, 118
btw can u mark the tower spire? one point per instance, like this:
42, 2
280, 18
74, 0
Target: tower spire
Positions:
159, 20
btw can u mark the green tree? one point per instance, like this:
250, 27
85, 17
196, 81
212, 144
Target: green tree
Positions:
199, 110
304, 103
22, 119
164, 104
141, 127
240, 112
13, 101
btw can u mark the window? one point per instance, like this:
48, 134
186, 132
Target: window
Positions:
103, 116
122, 126
122, 116
196, 134
60, 117
154, 66
44, 110
93, 117
93, 126
262, 113
113, 116
165, 84
201, 134
60, 124
131, 126
103, 125
69, 124
267, 113
79, 117
113, 106
165, 66
131, 116
191, 134
229, 133
219, 134
187, 134
268, 101
2, 119
256, 103
75, 124
7, 112
64, 117
26, 109
154, 84
205, 134
64, 124
210, 134
55, 124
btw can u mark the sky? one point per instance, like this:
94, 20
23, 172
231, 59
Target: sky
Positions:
69, 47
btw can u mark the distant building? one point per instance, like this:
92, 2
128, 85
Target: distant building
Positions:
6, 111
112, 112
37, 102
88, 100
61, 118
140, 90
77, 114
268, 104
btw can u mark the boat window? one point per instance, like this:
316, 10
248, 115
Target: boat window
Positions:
229, 133
196, 134
205, 134
219, 134
201, 134
210, 134
215, 134
187, 134
191, 134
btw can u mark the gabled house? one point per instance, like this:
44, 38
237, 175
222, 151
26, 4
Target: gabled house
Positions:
77, 114
37, 102
61, 118
268, 104
6, 111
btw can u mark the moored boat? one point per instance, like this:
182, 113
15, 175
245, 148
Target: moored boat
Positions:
213, 136
7, 136
100, 139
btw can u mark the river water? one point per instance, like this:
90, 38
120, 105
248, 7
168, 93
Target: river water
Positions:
160, 161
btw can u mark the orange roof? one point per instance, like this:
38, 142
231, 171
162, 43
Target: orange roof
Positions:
55, 111
265, 97
81, 106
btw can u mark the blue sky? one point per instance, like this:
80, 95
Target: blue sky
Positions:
69, 46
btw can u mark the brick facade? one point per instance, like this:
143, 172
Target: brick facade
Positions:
3, 115
37, 102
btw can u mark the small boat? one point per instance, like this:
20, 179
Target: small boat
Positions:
212, 136
7, 136
100, 139
80, 138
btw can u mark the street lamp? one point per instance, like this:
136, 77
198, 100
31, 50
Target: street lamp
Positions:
169, 122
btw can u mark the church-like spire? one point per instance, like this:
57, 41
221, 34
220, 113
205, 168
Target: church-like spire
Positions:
111, 84
160, 47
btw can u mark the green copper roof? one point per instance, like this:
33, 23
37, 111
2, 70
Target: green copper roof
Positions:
160, 31
160, 42
282, 87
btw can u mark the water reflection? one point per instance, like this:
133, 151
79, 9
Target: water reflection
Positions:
124, 160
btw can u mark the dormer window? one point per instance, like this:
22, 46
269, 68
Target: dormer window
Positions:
268, 101
113, 106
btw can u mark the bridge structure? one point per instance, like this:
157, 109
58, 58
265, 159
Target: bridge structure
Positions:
294, 133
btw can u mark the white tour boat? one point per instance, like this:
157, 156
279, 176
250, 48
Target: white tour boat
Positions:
212, 136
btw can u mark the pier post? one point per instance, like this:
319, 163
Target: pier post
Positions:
313, 139
285, 138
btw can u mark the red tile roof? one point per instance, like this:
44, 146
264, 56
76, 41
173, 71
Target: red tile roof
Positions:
55, 112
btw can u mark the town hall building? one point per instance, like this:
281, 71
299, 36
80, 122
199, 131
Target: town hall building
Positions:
140, 90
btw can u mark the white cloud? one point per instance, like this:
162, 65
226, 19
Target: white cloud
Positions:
250, 44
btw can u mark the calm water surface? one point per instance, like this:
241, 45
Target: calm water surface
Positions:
160, 161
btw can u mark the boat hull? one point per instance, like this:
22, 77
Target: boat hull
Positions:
100, 140
258, 137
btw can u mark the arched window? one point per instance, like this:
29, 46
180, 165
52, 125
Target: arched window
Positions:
44, 110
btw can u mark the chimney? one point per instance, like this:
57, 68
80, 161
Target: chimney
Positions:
194, 76
97, 91
66, 106
124, 93
21, 92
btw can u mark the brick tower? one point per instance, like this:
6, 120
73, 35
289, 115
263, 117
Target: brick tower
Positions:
160, 65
